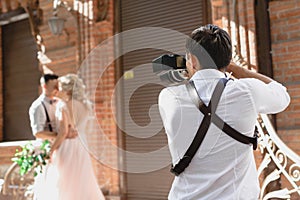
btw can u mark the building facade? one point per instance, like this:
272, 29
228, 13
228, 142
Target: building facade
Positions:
111, 44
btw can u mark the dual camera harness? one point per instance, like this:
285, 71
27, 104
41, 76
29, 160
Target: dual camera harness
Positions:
210, 116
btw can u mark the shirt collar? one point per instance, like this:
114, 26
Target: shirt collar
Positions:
47, 99
208, 74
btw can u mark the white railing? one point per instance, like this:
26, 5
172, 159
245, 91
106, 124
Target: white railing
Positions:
286, 161
15, 186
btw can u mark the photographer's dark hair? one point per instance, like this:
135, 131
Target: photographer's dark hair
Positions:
211, 45
47, 77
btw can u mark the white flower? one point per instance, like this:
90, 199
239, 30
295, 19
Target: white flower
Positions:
37, 151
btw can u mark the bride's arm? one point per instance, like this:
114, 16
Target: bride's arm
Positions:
62, 131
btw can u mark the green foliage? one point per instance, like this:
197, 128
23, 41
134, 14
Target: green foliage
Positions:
32, 157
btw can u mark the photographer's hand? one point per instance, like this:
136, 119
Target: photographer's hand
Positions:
185, 74
240, 72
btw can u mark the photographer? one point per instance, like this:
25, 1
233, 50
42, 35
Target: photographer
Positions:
222, 167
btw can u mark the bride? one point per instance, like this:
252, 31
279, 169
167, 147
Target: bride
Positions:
70, 174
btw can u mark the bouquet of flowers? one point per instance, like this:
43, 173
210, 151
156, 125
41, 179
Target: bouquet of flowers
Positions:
32, 157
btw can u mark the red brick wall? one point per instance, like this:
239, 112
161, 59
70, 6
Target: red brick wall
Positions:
285, 33
103, 97
61, 49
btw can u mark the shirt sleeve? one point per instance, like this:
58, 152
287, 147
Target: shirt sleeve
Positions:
269, 98
161, 105
37, 119
169, 109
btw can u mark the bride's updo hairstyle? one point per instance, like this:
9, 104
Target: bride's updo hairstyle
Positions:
73, 86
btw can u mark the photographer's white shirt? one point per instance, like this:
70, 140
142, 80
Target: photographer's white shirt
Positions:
222, 168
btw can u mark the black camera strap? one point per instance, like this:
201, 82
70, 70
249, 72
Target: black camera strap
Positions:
47, 118
209, 117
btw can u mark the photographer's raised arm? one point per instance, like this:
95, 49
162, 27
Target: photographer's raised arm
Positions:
269, 95
240, 72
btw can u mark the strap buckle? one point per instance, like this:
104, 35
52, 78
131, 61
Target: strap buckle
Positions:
181, 165
256, 134
172, 170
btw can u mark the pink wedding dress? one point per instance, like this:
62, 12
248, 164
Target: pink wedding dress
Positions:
70, 175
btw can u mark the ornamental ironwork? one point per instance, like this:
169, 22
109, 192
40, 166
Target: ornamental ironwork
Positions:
287, 164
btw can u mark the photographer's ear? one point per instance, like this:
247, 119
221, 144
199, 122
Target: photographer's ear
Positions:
194, 62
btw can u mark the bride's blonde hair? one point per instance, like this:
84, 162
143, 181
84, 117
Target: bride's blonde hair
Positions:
74, 86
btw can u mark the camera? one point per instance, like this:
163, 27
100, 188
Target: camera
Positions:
171, 68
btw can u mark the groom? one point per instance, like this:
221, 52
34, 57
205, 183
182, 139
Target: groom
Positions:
42, 110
